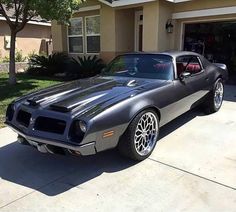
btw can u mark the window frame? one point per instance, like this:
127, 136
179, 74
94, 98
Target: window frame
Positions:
199, 61
86, 35
76, 36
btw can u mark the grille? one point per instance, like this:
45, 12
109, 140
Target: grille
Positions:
23, 118
50, 125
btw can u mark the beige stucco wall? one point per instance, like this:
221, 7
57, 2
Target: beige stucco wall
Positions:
57, 38
155, 37
165, 40
29, 40
108, 32
125, 30
150, 26
203, 4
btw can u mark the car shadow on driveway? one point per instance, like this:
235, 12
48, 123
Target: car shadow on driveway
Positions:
180, 121
25, 166
55, 174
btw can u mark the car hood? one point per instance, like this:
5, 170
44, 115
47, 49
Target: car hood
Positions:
81, 94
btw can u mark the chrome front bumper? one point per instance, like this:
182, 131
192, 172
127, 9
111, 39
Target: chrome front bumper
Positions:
41, 144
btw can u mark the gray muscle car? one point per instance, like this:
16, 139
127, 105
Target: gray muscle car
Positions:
124, 107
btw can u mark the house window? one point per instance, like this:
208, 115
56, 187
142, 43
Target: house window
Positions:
75, 36
92, 34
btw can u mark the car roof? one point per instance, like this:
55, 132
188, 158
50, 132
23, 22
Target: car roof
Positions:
173, 54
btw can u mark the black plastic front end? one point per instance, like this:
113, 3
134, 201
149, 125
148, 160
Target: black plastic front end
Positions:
39, 128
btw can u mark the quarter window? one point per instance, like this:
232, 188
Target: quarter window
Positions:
188, 63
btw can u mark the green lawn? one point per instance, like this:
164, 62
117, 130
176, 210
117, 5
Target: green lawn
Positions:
26, 84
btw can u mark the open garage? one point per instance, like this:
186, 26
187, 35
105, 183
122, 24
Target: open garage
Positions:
215, 40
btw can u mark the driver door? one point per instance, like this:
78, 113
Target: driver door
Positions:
188, 91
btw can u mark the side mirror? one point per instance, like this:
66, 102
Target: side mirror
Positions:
184, 75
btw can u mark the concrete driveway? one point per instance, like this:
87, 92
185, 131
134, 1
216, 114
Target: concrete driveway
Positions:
193, 168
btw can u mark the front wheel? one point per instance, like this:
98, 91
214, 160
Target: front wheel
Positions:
215, 98
139, 140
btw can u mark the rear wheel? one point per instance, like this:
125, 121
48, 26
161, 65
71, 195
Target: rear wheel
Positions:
141, 137
215, 98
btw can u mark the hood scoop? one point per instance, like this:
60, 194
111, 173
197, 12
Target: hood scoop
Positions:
33, 102
61, 107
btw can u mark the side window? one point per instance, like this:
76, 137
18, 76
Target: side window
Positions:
194, 66
188, 63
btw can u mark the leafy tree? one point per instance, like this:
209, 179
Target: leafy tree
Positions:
25, 11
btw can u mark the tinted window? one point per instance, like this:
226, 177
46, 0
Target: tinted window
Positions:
189, 64
142, 66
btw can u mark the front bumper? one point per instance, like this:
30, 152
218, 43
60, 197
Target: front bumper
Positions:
42, 143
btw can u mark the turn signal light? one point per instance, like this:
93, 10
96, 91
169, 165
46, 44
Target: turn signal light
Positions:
108, 134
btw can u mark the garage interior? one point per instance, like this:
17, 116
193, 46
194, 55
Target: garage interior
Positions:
216, 41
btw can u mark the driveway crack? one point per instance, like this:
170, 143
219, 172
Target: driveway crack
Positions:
193, 174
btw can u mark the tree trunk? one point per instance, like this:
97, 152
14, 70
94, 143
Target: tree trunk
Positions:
12, 67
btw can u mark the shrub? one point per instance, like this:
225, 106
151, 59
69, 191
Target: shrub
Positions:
5, 59
87, 66
19, 56
48, 65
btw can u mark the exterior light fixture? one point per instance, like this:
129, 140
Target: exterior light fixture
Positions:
169, 26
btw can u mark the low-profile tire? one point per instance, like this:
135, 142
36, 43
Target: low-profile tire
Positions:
140, 138
214, 100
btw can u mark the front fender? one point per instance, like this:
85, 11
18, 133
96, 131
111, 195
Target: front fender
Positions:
116, 119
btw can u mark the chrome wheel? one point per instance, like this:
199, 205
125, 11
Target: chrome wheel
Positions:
219, 93
146, 134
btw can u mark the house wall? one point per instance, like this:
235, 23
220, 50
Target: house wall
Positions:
150, 26
108, 32
156, 14
124, 30
165, 40
59, 41
202, 4
118, 25
59, 32
31, 39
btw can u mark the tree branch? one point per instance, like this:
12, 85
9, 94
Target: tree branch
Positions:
17, 12
25, 17
3, 12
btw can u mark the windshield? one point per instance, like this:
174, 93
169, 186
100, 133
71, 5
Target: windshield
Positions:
151, 66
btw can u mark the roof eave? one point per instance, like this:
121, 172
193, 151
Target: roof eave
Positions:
120, 3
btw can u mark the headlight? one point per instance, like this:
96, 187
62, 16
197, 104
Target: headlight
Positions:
77, 131
82, 126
